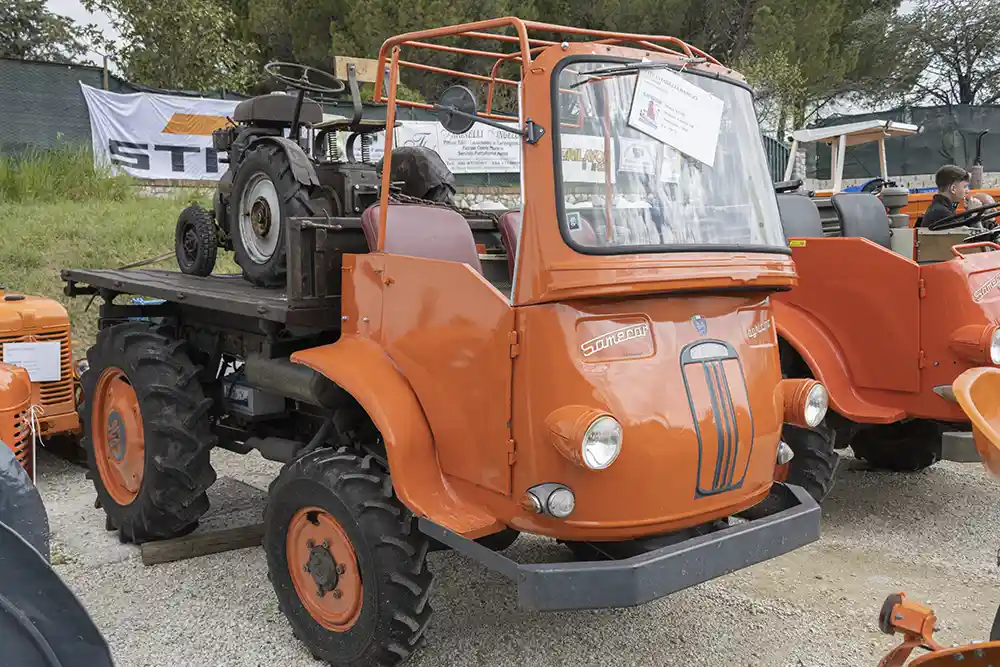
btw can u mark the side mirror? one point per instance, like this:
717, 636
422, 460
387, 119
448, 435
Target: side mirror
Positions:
457, 109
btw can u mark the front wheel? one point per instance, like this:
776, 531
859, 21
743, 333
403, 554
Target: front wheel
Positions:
346, 560
196, 243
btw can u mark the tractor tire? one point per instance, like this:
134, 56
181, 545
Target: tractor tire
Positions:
346, 560
146, 433
900, 447
196, 243
813, 467
265, 194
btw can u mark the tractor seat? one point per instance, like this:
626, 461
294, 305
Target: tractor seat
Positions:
799, 217
416, 230
277, 109
862, 215
510, 232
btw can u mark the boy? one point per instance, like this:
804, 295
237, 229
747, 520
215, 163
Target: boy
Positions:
953, 188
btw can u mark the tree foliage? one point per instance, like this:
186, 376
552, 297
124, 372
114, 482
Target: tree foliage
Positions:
188, 44
945, 52
29, 31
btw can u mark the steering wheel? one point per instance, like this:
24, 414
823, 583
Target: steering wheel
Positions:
968, 218
303, 81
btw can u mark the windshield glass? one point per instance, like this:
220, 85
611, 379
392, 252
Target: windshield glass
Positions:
655, 159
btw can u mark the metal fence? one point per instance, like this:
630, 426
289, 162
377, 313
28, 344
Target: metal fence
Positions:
42, 106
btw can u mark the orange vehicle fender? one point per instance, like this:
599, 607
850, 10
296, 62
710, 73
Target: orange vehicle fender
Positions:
819, 349
362, 369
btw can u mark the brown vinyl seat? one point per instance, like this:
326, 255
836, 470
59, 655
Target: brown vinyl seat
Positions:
510, 232
431, 232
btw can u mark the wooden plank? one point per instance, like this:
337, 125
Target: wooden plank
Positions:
202, 544
367, 68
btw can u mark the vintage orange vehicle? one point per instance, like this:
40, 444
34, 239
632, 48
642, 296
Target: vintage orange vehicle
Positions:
889, 333
599, 367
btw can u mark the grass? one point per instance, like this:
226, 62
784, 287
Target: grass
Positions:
63, 173
39, 238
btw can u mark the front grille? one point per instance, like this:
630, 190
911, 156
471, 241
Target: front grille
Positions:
20, 442
58, 391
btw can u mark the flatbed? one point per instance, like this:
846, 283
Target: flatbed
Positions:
229, 294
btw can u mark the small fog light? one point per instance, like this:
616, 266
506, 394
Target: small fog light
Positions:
551, 498
561, 503
817, 402
785, 453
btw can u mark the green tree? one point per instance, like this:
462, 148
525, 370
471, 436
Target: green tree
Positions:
28, 31
187, 44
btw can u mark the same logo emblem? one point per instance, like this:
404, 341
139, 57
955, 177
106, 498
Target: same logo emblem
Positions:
700, 325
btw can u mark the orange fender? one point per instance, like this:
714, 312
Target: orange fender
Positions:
362, 369
818, 348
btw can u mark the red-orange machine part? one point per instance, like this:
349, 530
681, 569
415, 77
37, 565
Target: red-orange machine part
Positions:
916, 623
15, 415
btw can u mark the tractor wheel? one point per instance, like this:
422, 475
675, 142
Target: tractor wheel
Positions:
146, 433
813, 467
265, 194
196, 243
346, 560
900, 447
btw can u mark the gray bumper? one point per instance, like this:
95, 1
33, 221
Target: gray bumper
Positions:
653, 575
959, 446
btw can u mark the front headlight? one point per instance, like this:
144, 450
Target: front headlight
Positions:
817, 401
995, 348
602, 443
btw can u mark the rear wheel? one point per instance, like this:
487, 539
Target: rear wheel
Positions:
346, 560
146, 433
265, 194
901, 447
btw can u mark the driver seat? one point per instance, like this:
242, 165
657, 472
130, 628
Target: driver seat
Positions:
863, 215
277, 110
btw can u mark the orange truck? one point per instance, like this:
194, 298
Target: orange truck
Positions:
598, 367
892, 320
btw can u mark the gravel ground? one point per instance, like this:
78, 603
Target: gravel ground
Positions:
929, 534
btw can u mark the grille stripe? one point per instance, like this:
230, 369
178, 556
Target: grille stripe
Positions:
728, 419
720, 436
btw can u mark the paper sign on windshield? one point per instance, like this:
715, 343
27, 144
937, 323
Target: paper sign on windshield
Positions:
678, 113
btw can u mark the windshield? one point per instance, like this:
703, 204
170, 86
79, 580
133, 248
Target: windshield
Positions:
655, 159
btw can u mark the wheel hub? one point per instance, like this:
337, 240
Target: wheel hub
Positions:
324, 568
117, 440
260, 217
190, 243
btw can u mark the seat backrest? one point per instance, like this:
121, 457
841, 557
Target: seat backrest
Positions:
416, 230
799, 216
510, 232
862, 215
277, 108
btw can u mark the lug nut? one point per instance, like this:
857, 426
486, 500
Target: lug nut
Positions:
310, 544
341, 569
337, 594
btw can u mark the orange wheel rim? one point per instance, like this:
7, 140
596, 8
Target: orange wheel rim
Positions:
324, 569
116, 429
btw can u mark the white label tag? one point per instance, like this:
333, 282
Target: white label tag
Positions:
677, 113
41, 360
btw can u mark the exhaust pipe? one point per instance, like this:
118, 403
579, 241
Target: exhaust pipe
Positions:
976, 179
295, 381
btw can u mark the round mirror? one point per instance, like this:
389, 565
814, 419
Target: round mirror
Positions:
462, 100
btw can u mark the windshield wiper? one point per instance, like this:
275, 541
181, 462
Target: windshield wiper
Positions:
626, 69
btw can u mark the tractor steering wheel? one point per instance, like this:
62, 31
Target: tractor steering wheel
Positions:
968, 218
303, 81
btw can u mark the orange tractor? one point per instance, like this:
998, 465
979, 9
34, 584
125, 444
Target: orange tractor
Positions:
38, 381
598, 367
890, 325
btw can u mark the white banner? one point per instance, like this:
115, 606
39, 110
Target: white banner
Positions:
153, 136
157, 136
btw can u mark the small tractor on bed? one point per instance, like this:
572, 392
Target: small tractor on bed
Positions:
274, 174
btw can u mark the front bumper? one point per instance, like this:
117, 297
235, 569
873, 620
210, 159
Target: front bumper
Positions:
653, 575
